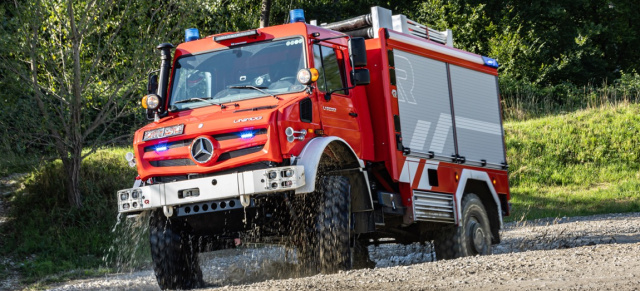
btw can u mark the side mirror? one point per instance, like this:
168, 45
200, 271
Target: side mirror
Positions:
152, 84
361, 77
358, 52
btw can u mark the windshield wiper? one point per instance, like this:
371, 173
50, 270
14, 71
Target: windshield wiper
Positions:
204, 99
255, 88
194, 99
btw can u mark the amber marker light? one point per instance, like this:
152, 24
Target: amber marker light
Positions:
457, 177
144, 102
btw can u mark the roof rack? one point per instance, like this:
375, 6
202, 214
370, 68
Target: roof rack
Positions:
367, 26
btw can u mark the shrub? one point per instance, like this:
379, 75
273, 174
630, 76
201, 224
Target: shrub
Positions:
48, 235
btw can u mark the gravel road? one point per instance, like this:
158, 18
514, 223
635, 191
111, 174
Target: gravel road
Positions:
600, 252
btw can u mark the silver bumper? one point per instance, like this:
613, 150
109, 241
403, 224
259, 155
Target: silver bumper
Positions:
211, 188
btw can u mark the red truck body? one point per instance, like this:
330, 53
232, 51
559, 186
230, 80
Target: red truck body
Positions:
424, 132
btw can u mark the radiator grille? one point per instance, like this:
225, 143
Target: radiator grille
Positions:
170, 145
240, 152
172, 163
429, 206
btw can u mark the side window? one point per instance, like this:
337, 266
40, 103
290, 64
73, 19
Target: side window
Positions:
329, 67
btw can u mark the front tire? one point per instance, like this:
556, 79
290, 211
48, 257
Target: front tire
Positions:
473, 235
324, 226
174, 254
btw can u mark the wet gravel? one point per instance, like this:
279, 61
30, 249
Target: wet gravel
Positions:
600, 252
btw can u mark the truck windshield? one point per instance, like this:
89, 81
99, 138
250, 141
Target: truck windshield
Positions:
227, 75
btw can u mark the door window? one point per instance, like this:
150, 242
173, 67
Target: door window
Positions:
330, 69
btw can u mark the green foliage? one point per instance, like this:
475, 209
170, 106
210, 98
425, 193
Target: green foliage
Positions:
11, 163
48, 236
523, 100
544, 42
580, 163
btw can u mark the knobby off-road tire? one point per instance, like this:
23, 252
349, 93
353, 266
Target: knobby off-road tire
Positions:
472, 237
325, 232
174, 254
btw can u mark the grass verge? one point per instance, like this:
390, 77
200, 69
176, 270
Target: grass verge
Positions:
580, 163
46, 236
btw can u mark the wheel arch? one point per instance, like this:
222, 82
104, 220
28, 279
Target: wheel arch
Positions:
478, 182
311, 158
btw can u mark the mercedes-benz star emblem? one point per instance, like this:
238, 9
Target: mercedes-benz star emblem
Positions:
202, 150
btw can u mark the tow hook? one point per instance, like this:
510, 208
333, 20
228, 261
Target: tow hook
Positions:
168, 211
245, 200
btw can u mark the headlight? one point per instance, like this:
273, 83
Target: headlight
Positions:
151, 101
124, 196
135, 194
308, 76
287, 173
131, 159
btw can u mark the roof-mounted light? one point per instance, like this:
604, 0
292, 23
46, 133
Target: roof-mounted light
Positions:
296, 15
191, 34
489, 62
236, 35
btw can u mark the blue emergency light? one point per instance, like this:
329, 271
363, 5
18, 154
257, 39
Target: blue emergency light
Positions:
296, 15
246, 135
191, 34
161, 148
489, 62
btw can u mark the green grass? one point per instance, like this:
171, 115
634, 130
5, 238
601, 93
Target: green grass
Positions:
11, 163
580, 163
47, 236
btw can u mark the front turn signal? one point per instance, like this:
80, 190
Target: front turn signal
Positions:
144, 102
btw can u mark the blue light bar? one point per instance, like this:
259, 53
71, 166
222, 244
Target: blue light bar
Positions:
296, 15
236, 35
161, 148
246, 135
489, 62
191, 34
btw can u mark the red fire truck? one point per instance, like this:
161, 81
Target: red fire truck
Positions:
326, 138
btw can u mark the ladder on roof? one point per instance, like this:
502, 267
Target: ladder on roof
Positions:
367, 26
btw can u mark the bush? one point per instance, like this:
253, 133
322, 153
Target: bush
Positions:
48, 235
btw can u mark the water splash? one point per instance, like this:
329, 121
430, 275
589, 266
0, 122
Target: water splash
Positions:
130, 248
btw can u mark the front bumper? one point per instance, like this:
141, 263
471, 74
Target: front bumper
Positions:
211, 188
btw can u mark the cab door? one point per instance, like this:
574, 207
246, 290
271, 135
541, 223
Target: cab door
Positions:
337, 114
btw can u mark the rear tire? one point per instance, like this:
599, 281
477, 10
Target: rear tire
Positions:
472, 237
174, 254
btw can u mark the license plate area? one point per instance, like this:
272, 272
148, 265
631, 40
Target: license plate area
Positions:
187, 193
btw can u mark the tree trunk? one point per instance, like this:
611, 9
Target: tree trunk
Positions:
75, 110
265, 10
72, 165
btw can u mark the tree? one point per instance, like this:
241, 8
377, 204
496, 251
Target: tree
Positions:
265, 10
80, 65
